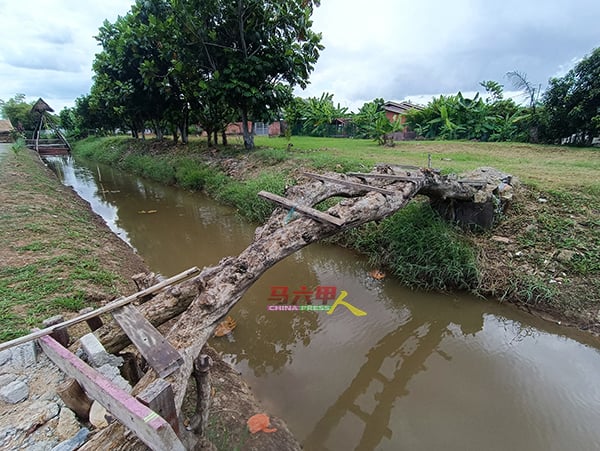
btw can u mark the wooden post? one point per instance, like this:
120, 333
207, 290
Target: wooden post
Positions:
93, 323
158, 396
203, 393
75, 398
61, 334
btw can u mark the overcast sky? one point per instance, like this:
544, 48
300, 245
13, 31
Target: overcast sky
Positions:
395, 49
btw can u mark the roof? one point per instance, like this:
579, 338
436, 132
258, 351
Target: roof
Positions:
5, 126
41, 106
400, 107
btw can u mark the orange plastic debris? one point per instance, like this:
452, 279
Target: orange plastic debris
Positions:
377, 274
225, 327
260, 422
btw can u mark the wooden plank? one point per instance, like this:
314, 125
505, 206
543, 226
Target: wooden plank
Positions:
349, 183
308, 211
158, 352
150, 427
159, 397
107, 308
402, 178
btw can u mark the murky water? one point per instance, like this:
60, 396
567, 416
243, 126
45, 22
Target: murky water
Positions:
420, 371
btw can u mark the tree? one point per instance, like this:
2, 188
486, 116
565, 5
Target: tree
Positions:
572, 102
18, 112
532, 92
251, 50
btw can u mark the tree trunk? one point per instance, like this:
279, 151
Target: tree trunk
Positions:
248, 136
209, 135
224, 137
216, 290
216, 136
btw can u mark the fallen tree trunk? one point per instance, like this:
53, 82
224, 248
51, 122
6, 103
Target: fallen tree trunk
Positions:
206, 299
216, 290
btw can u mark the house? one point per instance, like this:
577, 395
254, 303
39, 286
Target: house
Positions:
5, 130
399, 109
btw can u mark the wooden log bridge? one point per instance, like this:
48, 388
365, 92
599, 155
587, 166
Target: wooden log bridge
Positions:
202, 301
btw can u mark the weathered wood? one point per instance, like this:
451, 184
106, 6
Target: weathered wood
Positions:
61, 334
106, 309
399, 178
152, 429
216, 290
75, 398
201, 374
349, 183
158, 396
158, 352
93, 323
130, 370
308, 211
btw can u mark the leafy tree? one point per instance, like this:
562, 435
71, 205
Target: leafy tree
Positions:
18, 111
572, 102
251, 50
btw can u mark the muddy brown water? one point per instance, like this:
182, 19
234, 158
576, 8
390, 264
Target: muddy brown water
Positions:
421, 371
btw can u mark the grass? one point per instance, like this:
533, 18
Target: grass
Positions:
49, 244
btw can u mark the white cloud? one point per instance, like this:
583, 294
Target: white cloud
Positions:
393, 49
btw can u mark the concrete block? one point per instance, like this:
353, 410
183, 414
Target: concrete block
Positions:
96, 354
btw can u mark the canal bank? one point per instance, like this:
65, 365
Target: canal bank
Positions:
57, 257
544, 255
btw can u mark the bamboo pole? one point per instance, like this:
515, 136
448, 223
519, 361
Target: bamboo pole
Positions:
107, 308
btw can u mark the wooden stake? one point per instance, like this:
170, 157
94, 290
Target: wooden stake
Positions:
75, 398
203, 393
62, 334
94, 323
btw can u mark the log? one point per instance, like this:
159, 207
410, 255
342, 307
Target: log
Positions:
201, 374
219, 288
75, 398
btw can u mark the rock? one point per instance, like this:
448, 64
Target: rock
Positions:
36, 414
6, 379
99, 416
14, 392
502, 239
73, 443
41, 446
5, 356
114, 375
565, 256
23, 356
541, 200
95, 352
68, 425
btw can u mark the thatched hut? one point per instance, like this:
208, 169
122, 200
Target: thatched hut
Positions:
5, 130
40, 107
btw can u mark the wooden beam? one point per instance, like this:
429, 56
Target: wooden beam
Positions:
308, 211
150, 427
158, 396
401, 178
107, 308
349, 183
158, 352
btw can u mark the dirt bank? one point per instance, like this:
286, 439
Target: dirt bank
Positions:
57, 256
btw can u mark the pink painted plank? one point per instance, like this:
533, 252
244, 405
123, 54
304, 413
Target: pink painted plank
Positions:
151, 428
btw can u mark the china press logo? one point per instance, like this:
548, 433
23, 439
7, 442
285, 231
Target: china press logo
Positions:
301, 301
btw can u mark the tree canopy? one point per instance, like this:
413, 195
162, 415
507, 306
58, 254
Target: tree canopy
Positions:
167, 61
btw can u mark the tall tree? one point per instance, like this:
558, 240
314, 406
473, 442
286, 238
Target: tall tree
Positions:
251, 50
573, 101
18, 111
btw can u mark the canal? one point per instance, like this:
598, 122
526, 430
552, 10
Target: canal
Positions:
421, 371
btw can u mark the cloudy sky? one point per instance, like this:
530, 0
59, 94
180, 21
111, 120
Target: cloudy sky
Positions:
395, 49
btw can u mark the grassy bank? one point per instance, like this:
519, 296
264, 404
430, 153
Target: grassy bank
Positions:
52, 257
548, 259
